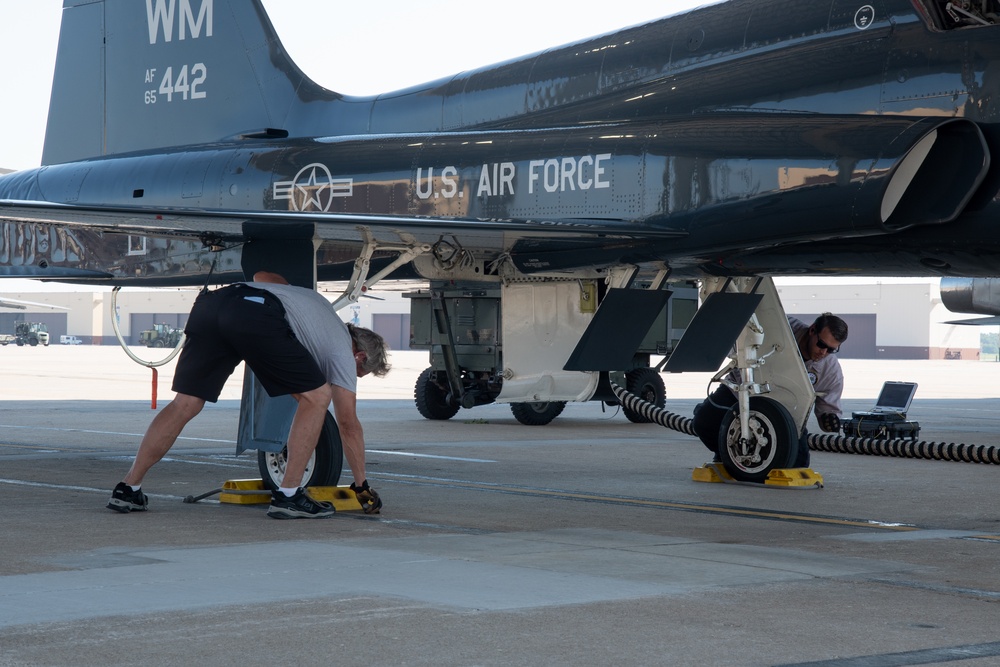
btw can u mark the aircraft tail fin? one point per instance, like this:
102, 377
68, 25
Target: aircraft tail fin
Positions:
135, 75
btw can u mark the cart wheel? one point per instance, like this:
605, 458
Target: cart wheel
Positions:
537, 414
431, 399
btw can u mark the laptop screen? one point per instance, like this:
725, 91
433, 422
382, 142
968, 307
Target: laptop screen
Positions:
896, 396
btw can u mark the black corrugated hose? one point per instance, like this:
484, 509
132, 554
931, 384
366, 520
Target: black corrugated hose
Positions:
899, 447
654, 413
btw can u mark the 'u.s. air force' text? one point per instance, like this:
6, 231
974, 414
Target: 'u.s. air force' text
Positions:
563, 174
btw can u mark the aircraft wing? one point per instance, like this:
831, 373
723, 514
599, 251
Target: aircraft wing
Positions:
229, 225
169, 245
979, 321
18, 304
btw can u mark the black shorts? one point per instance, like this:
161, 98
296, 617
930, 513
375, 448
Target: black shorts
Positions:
240, 323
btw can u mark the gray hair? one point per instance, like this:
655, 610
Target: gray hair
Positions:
375, 349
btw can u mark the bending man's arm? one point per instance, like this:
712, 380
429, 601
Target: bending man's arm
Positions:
345, 410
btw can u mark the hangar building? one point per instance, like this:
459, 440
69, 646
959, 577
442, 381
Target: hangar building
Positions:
888, 319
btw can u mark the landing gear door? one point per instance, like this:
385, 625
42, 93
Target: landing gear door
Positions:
264, 421
618, 329
784, 371
542, 323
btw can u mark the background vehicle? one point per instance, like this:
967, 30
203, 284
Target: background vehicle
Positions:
460, 325
31, 333
161, 335
70, 340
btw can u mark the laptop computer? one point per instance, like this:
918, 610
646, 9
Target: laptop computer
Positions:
893, 401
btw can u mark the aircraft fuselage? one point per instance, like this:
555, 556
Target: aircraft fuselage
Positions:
727, 139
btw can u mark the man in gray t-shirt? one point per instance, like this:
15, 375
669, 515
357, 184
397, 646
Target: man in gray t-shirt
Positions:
295, 344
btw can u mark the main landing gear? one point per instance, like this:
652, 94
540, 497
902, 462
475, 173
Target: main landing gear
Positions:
324, 466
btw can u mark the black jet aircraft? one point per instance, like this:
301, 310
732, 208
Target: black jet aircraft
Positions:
724, 145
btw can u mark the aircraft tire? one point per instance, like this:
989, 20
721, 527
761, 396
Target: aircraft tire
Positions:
771, 429
324, 466
647, 384
432, 401
537, 414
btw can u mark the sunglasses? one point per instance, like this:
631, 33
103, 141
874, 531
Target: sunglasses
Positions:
823, 346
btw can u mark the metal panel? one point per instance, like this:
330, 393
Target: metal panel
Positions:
473, 312
541, 324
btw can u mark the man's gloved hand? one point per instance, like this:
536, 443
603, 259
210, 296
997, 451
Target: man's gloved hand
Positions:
370, 502
829, 422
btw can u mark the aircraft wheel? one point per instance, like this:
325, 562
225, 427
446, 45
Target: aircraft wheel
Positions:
537, 414
324, 465
772, 444
431, 399
647, 384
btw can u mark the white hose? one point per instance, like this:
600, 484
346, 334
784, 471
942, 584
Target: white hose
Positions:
121, 339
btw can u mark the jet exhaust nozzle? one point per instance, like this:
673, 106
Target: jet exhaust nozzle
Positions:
937, 177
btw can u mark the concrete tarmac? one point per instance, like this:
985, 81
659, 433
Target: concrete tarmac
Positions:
583, 542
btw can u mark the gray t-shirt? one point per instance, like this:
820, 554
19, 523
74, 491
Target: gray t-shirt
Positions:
320, 330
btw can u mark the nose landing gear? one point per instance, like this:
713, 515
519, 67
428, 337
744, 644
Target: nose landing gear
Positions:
768, 444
